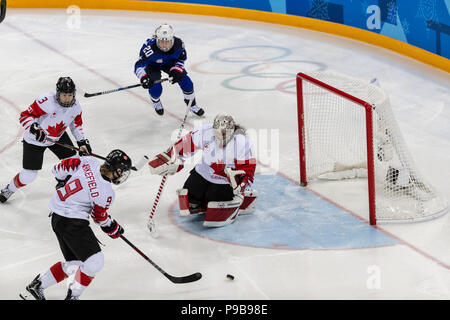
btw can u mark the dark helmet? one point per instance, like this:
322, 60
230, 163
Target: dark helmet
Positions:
117, 161
65, 85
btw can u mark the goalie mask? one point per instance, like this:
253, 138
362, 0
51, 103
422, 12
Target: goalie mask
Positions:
223, 127
164, 37
119, 164
66, 87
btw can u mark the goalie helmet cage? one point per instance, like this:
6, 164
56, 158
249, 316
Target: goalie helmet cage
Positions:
347, 130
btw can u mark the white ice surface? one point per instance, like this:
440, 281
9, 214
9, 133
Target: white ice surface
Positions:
37, 46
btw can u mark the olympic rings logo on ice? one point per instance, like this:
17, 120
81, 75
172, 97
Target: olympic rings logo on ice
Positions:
258, 60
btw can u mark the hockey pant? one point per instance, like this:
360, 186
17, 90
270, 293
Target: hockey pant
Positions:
32, 159
186, 85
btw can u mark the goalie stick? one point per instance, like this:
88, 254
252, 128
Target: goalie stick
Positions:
178, 280
88, 95
138, 166
151, 224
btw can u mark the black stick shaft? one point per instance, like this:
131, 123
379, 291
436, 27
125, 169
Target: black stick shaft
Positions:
88, 95
74, 148
78, 149
186, 279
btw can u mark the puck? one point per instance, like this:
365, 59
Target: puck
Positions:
230, 277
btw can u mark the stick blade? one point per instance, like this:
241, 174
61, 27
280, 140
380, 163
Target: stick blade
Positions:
23, 296
186, 279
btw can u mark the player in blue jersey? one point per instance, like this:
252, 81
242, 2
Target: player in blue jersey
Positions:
165, 52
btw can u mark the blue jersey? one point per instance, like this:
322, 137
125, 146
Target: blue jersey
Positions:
151, 55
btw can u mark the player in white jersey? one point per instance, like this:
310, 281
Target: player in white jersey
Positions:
47, 118
220, 184
83, 190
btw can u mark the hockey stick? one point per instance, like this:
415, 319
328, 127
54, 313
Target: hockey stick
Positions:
186, 279
139, 164
88, 95
151, 224
2, 10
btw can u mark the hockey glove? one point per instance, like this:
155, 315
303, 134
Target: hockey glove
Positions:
114, 230
176, 73
62, 183
146, 83
85, 147
38, 132
162, 164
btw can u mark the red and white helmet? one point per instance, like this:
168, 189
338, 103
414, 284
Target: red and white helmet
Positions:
223, 127
164, 37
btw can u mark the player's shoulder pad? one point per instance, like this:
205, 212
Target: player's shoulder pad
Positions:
178, 44
239, 136
241, 140
150, 41
76, 107
47, 101
205, 126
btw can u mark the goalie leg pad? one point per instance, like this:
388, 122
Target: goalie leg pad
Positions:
222, 213
183, 202
187, 208
248, 205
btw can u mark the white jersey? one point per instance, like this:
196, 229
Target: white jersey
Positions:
237, 154
85, 194
52, 118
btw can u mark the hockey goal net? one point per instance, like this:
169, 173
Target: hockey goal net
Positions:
347, 131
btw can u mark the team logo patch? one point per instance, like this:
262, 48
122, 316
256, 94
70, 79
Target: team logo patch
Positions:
159, 61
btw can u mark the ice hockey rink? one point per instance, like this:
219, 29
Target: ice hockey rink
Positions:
300, 243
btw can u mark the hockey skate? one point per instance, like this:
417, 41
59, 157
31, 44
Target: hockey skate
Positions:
35, 289
152, 228
195, 208
194, 108
70, 296
197, 110
5, 194
158, 107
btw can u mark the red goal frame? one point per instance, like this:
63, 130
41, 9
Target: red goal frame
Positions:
301, 77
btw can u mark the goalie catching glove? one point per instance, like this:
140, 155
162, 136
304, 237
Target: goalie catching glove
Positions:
162, 164
238, 179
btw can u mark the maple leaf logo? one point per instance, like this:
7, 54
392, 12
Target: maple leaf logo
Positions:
218, 168
57, 130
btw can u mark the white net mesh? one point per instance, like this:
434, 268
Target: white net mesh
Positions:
336, 148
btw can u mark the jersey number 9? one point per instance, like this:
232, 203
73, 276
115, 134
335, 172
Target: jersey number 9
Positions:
70, 189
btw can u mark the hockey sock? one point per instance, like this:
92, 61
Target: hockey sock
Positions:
53, 275
189, 95
86, 272
186, 84
23, 178
81, 281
